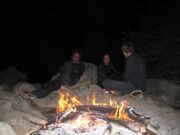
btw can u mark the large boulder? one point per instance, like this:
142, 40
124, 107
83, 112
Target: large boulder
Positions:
167, 91
91, 72
24, 86
81, 92
11, 76
5, 129
17, 111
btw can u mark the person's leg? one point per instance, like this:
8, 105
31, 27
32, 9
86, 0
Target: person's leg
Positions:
48, 88
64, 79
66, 73
123, 87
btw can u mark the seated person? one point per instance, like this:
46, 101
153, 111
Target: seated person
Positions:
106, 70
69, 75
134, 76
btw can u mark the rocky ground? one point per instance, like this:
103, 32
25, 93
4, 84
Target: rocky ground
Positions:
19, 115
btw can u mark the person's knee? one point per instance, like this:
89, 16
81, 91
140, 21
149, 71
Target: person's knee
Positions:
105, 83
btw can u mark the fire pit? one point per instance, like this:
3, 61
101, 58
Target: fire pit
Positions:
111, 118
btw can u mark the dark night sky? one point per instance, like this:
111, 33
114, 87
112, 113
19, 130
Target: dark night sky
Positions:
39, 36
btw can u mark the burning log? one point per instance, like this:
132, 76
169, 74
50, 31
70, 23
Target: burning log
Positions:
100, 113
85, 123
74, 118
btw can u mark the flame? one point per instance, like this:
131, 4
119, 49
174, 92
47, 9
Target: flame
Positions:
110, 103
67, 101
94, 98
120, 113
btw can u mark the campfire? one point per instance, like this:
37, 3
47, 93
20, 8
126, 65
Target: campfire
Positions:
94, 118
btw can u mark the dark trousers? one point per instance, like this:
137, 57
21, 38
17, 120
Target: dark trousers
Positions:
123, 87
64, 79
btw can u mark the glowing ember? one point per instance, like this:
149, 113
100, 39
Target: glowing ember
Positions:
67, 101
86, 123
86, 120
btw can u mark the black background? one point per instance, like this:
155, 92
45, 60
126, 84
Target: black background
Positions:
38, 36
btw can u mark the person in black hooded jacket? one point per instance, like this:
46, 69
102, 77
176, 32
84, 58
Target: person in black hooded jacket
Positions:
106, 70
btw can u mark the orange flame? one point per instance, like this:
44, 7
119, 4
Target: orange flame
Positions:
94, 98
120, 113
67, 101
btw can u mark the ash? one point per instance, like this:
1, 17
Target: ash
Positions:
68, 128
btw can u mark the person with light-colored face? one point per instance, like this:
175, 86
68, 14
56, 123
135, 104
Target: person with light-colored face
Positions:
106, 70
127, 50
106, 59
75, 57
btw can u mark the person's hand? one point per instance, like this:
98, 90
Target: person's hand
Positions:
112, 92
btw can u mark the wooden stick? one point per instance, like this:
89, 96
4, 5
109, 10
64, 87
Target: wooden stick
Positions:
33, 131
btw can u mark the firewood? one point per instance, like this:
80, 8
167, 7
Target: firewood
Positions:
33, 131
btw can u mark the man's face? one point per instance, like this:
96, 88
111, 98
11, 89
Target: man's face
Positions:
126, 51
75, 57
106, 59
126, 55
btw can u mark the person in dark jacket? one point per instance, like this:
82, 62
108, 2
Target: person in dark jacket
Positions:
106, 70
69, 75
134, 76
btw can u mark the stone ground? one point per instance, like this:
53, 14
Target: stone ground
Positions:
22, 115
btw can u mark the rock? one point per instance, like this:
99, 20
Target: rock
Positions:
87, 91
15, 110
23, 86
18, 112
167, 91
162, 118
13, 102
91, 72
49, 101
16, 119
4, 88
81, 92
5, 129
151, 86
11, 76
